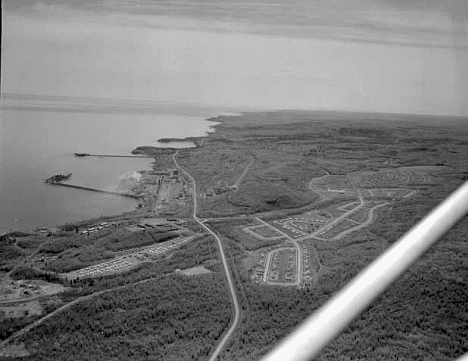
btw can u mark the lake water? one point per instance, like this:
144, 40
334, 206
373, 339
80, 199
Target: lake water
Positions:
40, 134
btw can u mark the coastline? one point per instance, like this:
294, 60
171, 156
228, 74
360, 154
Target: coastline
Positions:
142, 150
139, 150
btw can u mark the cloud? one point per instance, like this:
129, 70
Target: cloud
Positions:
189, 52
380, 22
44, 7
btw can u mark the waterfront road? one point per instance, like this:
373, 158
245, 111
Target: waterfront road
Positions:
235, 302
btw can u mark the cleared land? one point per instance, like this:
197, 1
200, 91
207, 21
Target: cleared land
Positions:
23, 290
194, 271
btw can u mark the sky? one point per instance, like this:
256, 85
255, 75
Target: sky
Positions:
397, 56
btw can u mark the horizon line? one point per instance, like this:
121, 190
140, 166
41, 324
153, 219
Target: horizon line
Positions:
136, 103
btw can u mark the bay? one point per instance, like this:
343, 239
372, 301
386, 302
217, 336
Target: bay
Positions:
39, 136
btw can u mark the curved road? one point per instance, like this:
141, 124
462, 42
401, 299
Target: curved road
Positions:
229, 333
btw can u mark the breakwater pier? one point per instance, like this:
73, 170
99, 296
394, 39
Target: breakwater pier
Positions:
111, 155
96, 190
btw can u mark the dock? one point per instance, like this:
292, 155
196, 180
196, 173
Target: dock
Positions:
111, 155
96, 190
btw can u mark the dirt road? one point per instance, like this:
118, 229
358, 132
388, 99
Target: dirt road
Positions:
244, 173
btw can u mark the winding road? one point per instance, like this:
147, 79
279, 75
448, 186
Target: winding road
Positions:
235, 302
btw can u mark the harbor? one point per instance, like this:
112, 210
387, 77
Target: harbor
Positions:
59, 178
52, 138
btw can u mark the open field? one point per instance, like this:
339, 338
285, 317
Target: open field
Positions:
339, 227
390, 193
349, 206
22, 299
17, 310
194, 271
316, 216
266, 195
383, 178
333, 183
335, 210
396, 177
360, 216
263, 231
22, 290
249, 240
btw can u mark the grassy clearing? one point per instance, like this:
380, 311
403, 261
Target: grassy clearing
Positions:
246, 241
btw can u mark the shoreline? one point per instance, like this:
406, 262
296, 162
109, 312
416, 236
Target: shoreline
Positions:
152, 165
140, 150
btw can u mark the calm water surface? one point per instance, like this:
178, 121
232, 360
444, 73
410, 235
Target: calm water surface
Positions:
38, 142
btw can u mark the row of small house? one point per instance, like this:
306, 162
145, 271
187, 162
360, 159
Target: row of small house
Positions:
97, 228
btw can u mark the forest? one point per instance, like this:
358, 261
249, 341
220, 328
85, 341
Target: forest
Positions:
169, 318
199, 252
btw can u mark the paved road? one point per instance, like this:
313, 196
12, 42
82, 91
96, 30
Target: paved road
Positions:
229, 333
